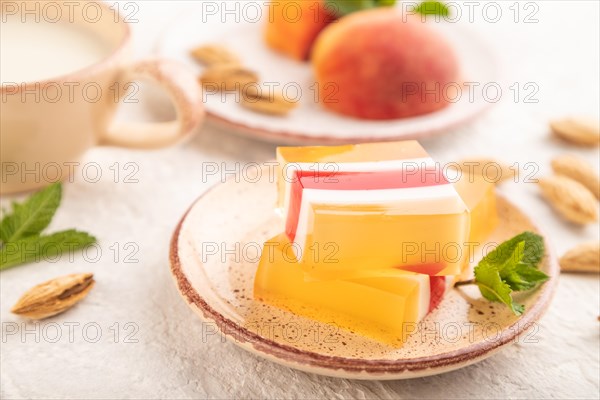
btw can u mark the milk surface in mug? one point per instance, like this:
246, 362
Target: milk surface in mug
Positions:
36, 51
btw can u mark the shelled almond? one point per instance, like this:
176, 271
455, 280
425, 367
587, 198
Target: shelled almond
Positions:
570, 199
577, 169
227, 77
577, 130
213, 54
225, 72
262, 100
582, 258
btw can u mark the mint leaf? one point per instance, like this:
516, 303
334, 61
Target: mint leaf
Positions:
493, 288
508, 265
345, 7
47, 247
21, 238
32, 216
525, 277
533, 250
433, 8
511, 266
517, 261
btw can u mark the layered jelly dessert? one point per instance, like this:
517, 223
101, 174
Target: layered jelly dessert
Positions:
381, 304
372, 235
371, 206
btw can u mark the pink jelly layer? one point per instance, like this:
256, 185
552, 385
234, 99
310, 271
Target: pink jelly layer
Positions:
398, 179
437, 288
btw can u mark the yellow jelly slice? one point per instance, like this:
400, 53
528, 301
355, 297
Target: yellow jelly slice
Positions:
380, 305
480, 197
373, 239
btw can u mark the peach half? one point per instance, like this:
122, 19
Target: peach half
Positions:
293, 25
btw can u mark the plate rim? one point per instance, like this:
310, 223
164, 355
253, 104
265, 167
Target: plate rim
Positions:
351, 367
270, 134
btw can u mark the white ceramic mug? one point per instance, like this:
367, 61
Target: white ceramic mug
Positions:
54, 120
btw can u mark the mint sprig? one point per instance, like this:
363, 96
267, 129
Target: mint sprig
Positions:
21, 237
32, 216
42, 247
512, 266
433, 8
345, 7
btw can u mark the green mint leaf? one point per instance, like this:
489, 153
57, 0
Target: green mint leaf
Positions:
517, 259
525, 277
32, 216
512, 266
493, 288
532, 252
345, 7
506, 266
47, 247
433, 8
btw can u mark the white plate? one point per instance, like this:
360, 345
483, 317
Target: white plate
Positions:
310, 122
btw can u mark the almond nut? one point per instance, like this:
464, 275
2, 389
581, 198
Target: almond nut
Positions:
582, 258
261, 100
227, 77
578, 169
214, 54
570, 198
54, 296
581, 131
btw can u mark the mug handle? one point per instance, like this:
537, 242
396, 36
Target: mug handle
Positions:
185, 93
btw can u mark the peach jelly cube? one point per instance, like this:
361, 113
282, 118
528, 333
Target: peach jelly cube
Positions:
368, 214
379, 305
480, 197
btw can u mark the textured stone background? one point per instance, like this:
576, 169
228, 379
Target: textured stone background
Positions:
166, 355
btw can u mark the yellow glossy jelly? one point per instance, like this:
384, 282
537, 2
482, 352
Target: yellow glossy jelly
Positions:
371, 206
380, 305
480, 197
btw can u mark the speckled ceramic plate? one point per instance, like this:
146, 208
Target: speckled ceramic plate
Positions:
214, 254
310, 122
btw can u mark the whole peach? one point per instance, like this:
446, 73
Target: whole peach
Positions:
379, 64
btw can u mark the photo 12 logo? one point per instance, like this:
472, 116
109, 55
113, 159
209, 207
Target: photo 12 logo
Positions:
491, 171
421, 333
321, 12
64, 251
68, 11
69, 171
253, 252
70, 332
294, 93
492, 12
70, 92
